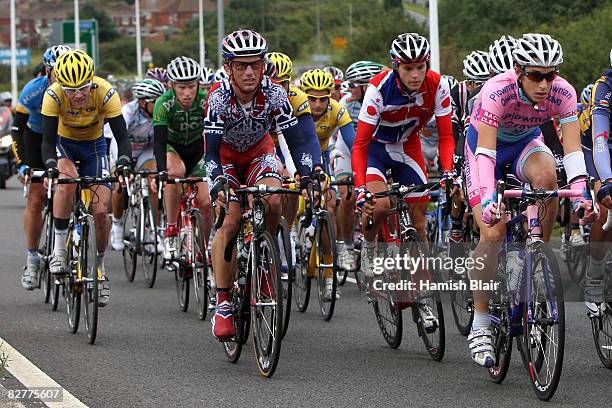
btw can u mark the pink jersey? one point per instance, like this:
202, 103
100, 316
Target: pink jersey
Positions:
501, 104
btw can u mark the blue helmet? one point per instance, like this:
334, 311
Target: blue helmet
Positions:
52, 53
585, 96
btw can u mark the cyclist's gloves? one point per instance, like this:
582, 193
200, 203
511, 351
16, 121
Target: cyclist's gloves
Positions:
218, 185
361, 194
52, 173
23, 169
305, 181
489, 212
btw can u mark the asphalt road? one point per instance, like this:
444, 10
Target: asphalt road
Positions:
150, 354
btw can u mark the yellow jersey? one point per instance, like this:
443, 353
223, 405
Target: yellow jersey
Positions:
299, 102
85, 123
335, 117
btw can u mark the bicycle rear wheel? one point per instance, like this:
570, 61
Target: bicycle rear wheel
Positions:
462, 301
88, 261
543, 341
388, 313
326, 265
427, 312
200, 264
182, 271
301, 284
148, 253
287, 271
45, 252
602, 335
240, 301
266, 304
130, 240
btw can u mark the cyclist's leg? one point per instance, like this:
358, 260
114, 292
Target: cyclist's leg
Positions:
118, 200
376, 182
536, 164
176, 169
32, 215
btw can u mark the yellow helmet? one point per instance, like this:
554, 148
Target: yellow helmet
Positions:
74, 69
316, 80
283, 64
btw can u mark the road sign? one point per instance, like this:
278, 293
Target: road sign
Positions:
23, 57
89, 36
146, 55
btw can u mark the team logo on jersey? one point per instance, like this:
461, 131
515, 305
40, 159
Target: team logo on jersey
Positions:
54, 96
302, 106
108, 95
306, 160
90, 109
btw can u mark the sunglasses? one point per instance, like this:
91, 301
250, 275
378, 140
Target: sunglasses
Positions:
537, 76
242, 66
73, 91
314, 98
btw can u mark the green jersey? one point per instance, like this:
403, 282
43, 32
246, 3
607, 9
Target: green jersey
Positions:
184, 126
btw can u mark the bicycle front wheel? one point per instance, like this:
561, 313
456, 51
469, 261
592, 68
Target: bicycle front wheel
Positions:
148, 252
301, 284
287, 271
543, 341
602, 335
199, 262
266, 304
88, 262
72, 290
45, 252
130, 240
326, 266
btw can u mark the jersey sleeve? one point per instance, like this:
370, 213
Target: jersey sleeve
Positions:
160, 112
600, 110
565, 106
51, 101
25, 99
487, 106
342, 116
372, 106
299, 102
443, 99
280, 108
111, 103
214, 121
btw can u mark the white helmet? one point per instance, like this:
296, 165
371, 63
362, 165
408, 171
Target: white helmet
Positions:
220, 75
183, 69
410, 48
611, 57
538, 50
476, 66
6, 96
336, 73
53, 53
208, 76
361, 72
500, 54
585, 95
148, 89
243, 43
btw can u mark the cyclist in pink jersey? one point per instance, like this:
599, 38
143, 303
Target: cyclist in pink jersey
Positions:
504, 129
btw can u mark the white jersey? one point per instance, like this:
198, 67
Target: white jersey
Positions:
139, 127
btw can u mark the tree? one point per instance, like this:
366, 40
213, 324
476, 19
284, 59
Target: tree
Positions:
106, 27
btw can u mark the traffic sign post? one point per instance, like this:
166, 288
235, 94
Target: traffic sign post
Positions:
88, 36
147, 56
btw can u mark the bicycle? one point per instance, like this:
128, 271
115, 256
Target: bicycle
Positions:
342, 272
257, 291
81, 282
140, 235
529, 305
601, 325
316, 256
398, 236
191, 260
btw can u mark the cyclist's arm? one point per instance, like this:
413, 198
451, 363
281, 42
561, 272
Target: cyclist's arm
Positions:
214, 125
347, 132
443, 112
305, 149
124, 147
368, 119
486, 158
160, 138
49, 131
601, 129
20, 121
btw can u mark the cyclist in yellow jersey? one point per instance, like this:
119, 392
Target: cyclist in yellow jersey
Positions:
279, 68
329, 117
74, 111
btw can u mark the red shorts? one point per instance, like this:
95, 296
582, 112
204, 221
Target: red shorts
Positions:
247, 168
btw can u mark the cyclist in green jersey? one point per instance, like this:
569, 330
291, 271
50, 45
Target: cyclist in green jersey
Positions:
178, 125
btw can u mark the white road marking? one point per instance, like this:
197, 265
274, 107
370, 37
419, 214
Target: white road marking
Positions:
31, 376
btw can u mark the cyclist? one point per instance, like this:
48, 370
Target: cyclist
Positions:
396, 106
338, 77
241, 112
27, 134
6, 99
74, 110
159, 74
358, 76
220, 75
207, 79
476, 72
138, 115
178, 125
601, 98
504, 128
279, 68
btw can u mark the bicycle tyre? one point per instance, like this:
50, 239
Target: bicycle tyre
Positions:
602, 335
72, 293
266, 299
148, 255
325, 231
288, 276
130, 240
502, 339
301, 284
199, 261
240, 301
46, 282
88, 260
532, 339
